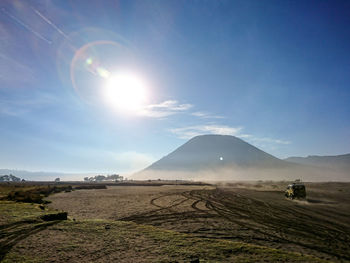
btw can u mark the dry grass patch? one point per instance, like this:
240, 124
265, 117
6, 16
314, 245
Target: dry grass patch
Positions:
107, 241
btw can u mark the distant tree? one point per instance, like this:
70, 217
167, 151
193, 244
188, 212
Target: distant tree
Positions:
57, 179
14, 178
99, 178
9, 178
115, 177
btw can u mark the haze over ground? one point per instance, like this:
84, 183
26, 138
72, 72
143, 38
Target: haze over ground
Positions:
112, 86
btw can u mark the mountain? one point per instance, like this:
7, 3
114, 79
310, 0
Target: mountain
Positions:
211, 157
215, 151
224, 157
336, 162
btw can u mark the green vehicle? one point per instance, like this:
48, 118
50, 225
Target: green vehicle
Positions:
295, 190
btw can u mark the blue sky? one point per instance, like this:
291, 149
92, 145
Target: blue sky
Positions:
275, 73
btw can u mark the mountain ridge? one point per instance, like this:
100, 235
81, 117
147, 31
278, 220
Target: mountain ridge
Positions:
336, 162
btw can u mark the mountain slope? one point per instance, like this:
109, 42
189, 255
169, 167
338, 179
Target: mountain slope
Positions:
215, 151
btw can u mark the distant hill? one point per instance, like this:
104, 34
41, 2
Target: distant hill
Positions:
336, 162
224, 157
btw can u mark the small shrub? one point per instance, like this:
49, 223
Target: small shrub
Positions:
35, 195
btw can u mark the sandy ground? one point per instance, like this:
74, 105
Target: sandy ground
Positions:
116, 201
252, 213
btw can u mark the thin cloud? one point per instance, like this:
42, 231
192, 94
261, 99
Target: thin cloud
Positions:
5, 110
206, 115
171, 105
50, 23
191, 131
38, 35
22, 106
269, 140
165, 109
11, 69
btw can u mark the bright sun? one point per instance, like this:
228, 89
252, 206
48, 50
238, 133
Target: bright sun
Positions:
125, 92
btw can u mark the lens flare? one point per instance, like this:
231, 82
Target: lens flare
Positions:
98, 74
88, 61
91, 67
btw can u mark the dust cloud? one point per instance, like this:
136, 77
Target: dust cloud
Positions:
306, 174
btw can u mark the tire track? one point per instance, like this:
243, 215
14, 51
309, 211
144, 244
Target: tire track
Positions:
236, 216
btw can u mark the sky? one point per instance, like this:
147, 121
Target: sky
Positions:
112, 86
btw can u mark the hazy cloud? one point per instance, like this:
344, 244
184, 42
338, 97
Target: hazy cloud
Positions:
133, 161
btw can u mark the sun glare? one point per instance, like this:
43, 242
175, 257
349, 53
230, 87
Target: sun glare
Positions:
125, 92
